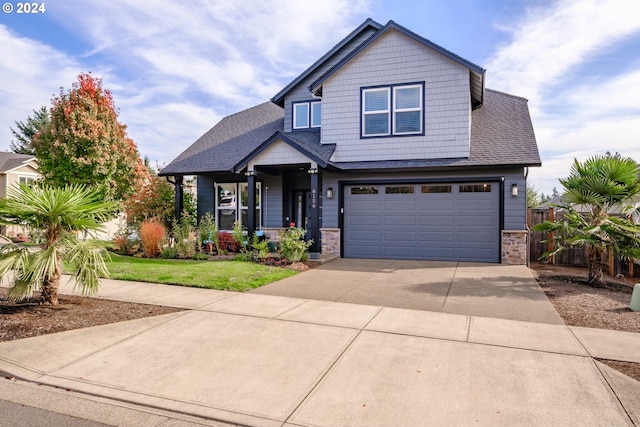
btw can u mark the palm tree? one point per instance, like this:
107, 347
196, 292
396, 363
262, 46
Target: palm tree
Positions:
56, 214
603, 186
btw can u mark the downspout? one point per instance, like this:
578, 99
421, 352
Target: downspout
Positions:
526, 224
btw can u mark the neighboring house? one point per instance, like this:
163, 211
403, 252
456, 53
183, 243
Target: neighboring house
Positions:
389, 146
21, 168
16, 169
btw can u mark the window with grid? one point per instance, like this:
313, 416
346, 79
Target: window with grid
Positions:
392, 110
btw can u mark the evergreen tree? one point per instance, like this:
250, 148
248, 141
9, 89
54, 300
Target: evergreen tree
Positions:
27, 130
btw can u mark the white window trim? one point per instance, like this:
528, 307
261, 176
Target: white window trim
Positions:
295, 115
407, 110
309, 122
311, 108
366, 113
392, 110
239, 207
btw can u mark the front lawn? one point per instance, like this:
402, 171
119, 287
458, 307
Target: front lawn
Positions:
222, 275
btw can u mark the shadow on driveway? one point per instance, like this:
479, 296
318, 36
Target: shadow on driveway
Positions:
489, 290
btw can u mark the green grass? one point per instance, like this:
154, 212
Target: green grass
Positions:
222, 275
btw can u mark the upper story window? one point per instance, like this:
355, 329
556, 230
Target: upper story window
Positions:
307, 114
392, 110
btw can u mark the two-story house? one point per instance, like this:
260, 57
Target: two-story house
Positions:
388, 146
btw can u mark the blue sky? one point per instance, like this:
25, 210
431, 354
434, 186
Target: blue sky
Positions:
176, 68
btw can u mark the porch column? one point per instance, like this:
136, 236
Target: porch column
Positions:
314, 212
251, 204
179, 203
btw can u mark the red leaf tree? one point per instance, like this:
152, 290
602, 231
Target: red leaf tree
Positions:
84, 142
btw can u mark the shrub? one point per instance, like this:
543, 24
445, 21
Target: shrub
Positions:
209, 233
292, 244
227, 242
125, 242
168, 253
185, 241
261, 247
238, 236
151, 235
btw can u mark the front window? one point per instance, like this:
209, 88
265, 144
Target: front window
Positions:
407, 109
307, 114
301, 115
375, 111
231, 208
392, 110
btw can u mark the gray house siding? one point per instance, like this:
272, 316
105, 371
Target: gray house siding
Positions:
301, 91
515, 208
206, 195
395, 59
272, 201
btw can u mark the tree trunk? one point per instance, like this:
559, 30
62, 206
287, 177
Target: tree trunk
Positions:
596, 275
50, 289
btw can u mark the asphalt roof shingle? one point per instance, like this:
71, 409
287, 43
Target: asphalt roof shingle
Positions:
229, 141
501, 135
9, 160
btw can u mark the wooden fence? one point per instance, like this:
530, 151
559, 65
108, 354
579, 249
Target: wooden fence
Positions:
571, 256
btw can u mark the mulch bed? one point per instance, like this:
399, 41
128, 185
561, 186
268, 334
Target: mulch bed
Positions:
579, 304
29, 318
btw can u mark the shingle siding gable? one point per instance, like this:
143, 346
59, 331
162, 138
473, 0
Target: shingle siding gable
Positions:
301, 92
394, 59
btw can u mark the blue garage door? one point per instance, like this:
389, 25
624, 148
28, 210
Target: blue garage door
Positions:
452, 222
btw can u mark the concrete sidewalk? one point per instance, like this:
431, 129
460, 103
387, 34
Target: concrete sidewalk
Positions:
266, 360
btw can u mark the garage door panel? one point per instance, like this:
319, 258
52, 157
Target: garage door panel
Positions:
402, 220
365, 236
402, 237
363, 205
365, 251
399, 205
437, 219
436, 236
484, 204
456, 226
363, 220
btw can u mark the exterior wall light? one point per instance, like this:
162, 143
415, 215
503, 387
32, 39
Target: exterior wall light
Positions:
330, 193
514, 190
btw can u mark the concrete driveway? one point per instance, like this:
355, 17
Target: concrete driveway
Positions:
282, 361
489, 290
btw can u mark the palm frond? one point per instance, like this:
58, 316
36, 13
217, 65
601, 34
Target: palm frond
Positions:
87, 258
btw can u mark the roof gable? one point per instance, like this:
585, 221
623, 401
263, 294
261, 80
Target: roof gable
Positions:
368, 23
11, 161
476, 73
231, 139
295, 147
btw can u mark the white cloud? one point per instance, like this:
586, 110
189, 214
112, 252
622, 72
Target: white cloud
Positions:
572, 117
548, 43
32, 74
176, 68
